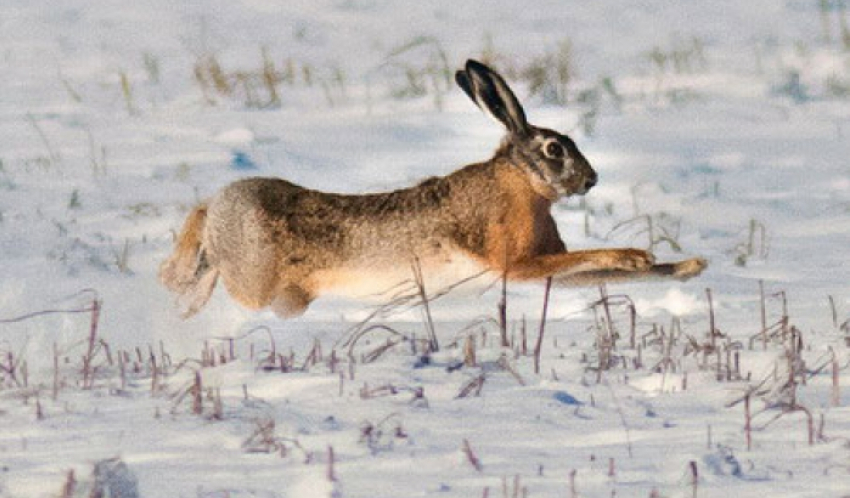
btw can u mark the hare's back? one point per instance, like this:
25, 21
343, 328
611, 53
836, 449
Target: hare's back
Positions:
246, 219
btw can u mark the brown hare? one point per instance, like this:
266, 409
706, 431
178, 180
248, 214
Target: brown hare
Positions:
277, 244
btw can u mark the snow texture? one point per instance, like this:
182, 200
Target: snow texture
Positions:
719, 129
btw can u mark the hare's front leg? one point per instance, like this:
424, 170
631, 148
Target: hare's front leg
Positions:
680, 270
568, 263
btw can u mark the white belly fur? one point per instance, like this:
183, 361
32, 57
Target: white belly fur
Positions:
384, 283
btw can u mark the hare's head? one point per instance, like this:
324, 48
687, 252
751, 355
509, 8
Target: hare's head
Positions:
552, 160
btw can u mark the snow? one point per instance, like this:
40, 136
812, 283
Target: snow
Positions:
108, 139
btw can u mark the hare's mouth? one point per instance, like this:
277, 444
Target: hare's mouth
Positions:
575, 186
584, 188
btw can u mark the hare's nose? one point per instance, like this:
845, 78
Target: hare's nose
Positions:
590, 182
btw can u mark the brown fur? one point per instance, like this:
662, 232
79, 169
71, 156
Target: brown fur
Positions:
274, 243
178, 272
187, 271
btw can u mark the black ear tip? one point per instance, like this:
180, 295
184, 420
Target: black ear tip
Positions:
474, 65
462, 80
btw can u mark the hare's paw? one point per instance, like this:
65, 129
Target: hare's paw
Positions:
689, 268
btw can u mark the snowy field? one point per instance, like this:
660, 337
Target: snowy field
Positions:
719, 129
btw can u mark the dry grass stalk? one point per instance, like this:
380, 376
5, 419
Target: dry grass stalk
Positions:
70, 485
13, 364
11, 368
746, 250
694, 477
821, 425
97, 156
122, 369
472, 387
395, 338
127, 93
25, 373
659, 229
391, 390
52, 153
538, 347
469, 359
55, 371
433, 345
519, 491
333, 362
403, 297
573, 491
267, 362
503, 310
331, 473
154, 375
258, 88
549, 76
231, 349
218, 405
383, 434
767, 331
471, 457
763, 314
836, 386
287, 363
197, 393
380, 350
790, 409
88, 358
505, 364
107, 351
523, 336
270, 78
834, 310
314, 356
712, 329
206, 355
264, 440
72, 92
606, 331
217, 75
780, 391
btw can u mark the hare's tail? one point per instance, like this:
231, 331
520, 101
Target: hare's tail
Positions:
187, 272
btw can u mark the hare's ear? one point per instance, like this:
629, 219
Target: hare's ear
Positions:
490, 92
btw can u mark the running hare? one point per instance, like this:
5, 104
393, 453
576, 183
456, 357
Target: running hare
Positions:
277, 244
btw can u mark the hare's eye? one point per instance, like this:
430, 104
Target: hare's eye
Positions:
554, 150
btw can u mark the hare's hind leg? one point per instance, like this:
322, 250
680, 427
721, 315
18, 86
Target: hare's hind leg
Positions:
181, 271
290, 301
258, 282
188, 271
197, 294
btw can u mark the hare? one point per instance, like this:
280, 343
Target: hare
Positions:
277, 244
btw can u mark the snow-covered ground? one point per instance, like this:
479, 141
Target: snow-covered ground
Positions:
721, 125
